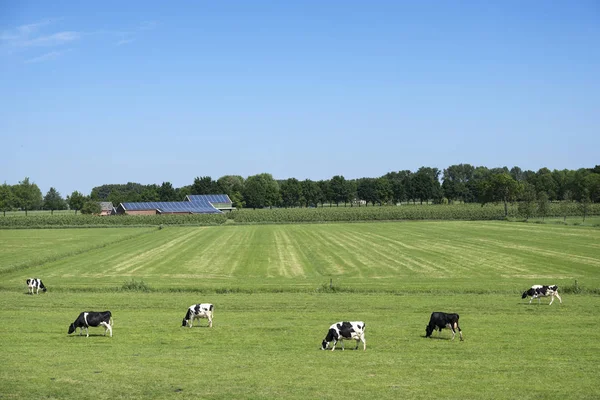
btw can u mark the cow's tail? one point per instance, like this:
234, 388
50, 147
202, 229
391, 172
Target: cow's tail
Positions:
211, 307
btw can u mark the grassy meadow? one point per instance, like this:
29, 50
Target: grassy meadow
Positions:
273, 304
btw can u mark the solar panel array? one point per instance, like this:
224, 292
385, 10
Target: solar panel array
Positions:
172, 207
210, 198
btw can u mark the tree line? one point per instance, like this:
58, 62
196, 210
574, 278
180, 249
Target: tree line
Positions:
458, 183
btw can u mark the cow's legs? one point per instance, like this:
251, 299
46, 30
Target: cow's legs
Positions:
107, 327
210, 321
362, 338
551, 300
557, 295
334, 343
87, 332
451, 327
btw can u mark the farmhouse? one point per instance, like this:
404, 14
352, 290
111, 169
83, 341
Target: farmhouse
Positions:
106, 208
193, 204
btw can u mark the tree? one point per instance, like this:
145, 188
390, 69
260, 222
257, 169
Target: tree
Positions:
543, 204
397, 186
475, 184
7, 199
455, 182
527, 204
326, 192
150, 193
291, 192
564, 205
366, 190
28, 195
500, 188
91, 207
545, 182
340, 189
261, 191
592, 185
129, 192
76, 201
427, 185
166, 192
383, 190
54, 201
204, 185
232, 186
311, 193
584, 203
517, 174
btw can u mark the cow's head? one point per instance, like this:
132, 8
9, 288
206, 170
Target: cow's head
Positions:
524, 295
184, 322
429, 330
71, 329
331, 336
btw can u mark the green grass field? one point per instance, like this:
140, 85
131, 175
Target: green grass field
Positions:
272, 309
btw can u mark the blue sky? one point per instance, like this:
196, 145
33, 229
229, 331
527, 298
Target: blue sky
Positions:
141, 91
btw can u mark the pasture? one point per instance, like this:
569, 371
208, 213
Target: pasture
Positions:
273, 305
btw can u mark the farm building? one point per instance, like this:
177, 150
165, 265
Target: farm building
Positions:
221, 202
193, 204
106, 208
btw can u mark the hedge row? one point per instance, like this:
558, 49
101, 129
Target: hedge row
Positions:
293, 215
63, 221
472, 212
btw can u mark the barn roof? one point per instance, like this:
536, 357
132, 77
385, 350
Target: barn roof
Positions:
210, 198
171, 207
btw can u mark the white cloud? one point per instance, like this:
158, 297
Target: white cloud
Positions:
125, 41
55, 39
53, 55
26, 38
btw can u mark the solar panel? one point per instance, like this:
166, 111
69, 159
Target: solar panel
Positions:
172, 206
210, 198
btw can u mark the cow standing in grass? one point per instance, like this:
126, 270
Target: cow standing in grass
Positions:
345, 331
196, 311
35, 284
93, 319
441, 320
537, 291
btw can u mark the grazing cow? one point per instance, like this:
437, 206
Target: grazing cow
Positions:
93, 319
35, 284
204, 310
440, 320
537, 291
345, 331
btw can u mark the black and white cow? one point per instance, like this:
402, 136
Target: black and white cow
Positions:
345, 331
35, 284
195, 311
441, 320
93, 319
537, 291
